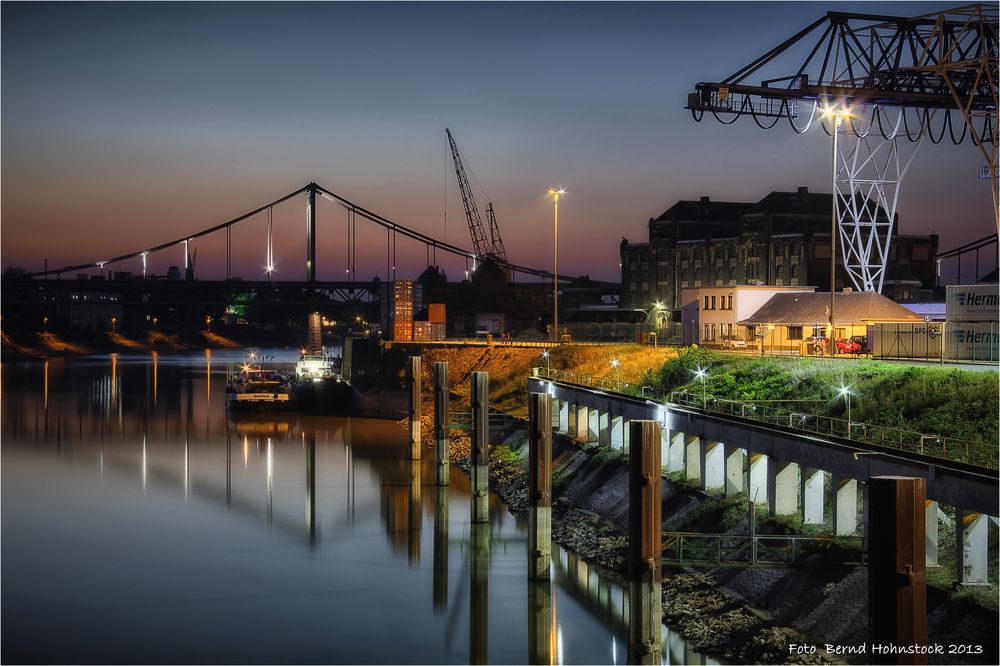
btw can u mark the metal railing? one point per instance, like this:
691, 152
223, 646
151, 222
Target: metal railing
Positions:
695, 548
797, 418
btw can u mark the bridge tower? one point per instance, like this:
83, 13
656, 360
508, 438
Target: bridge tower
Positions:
311, 232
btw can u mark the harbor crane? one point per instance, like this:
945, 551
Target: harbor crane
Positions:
486, 247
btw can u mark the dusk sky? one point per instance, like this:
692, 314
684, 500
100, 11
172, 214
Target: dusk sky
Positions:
128, 125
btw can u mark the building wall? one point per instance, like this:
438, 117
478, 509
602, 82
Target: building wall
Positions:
711, 312
765, 244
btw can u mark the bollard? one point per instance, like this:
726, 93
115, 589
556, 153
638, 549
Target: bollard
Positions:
539, 485
441, 468
413, 411
479, 553
480, 447
897, 575
540, 622
440, 581
645, 543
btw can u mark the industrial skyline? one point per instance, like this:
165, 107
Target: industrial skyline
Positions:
133, 124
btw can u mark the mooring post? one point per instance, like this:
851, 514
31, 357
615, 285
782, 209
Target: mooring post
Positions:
645, 542
480, 447
897, 575
539, 485
413, 386
441, 424
311, 486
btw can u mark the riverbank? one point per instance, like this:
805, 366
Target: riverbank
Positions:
741, 615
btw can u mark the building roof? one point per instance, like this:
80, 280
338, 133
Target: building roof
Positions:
704, 210
813, 308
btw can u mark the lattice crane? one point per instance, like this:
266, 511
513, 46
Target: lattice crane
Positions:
901, 78
485, 247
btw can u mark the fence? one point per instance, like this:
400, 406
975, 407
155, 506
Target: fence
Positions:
695, 548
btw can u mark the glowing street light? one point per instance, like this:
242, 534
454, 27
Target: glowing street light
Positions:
45, 324
701, 373
845, 393
555, 261
545, 355
114, 324
616, 364
208, 324
839, 114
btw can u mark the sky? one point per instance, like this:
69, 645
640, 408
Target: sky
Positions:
128, 125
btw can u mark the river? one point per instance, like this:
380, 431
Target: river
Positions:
141, 524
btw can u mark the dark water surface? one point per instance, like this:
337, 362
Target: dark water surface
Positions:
140, 524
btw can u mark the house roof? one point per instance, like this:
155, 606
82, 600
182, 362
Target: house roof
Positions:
704, 210
812, 308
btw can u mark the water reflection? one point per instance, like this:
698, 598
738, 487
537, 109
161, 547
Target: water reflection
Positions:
309, 546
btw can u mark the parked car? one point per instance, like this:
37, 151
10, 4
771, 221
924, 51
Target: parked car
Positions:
816, 344
482, 331
733, 342
848, 346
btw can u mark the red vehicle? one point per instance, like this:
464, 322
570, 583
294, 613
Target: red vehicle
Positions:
848, 346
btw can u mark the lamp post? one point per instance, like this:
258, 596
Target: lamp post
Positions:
839, 114
114, 324
701, 373
616, 364
555, 261
845, 393
545, 355
45, 324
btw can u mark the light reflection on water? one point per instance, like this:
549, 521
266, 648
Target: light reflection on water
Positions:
140, 524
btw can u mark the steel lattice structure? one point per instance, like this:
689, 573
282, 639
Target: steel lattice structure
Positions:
903, 78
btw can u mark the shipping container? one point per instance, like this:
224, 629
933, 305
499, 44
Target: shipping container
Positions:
914, 341
972, 302
422, 331
436, 313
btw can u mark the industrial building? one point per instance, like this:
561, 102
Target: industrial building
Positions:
781, 240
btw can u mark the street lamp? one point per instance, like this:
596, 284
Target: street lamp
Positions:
616, 364
208, 324
545, 355
114, 324
838, 114
555, 260
45, 324
845, 393
701, 373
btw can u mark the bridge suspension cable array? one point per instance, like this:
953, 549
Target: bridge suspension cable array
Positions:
312, 190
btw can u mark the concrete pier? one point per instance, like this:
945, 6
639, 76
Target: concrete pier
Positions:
931, 531
782, 487
714, 465
897, 577
441, 461
539, 485
845, 506
692, 458
813, 482
971, 547
735, 462
413, 405
757, 479
480, 447
645, 543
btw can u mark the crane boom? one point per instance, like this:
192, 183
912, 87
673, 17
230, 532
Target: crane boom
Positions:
499, 251
481, 245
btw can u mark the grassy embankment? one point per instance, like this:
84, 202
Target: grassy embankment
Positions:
949, 402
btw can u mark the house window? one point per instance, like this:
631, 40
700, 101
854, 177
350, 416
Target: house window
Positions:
713, 302
713, 332
706, 303
794, 332
705, 338
779, 271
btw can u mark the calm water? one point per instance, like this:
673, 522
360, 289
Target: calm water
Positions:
139, 524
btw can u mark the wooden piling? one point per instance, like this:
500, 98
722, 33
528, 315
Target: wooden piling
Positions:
897, 573
539, 485
442, 463
480, 447
645, 542
413, 411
